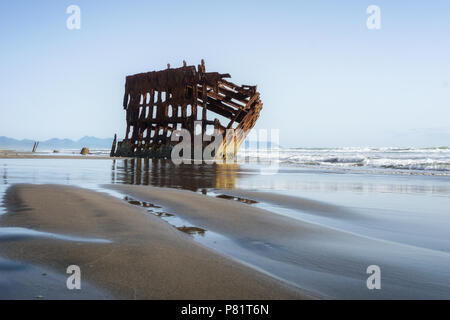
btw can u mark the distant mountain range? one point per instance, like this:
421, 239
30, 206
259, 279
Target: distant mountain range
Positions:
56, 144
89, 142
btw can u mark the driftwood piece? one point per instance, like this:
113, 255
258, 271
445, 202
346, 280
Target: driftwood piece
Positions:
159, 102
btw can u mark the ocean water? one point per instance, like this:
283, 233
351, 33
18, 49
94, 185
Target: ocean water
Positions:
386, 160
389, 160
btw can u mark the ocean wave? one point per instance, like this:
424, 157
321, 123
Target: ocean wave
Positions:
408, 164
433, 159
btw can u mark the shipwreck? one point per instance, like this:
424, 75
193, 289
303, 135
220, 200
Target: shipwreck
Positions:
159, 102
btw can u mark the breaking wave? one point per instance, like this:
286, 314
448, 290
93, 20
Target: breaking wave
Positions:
434, 160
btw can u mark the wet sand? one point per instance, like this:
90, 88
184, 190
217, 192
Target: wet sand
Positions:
327, 261
316, 231
319, 208
12, 154
145, 259
26, 281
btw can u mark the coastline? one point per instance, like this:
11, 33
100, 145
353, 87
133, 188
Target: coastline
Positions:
146, 259
11, 154
315, 231
330, 262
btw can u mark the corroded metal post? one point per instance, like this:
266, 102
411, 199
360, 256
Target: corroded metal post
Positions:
113, 147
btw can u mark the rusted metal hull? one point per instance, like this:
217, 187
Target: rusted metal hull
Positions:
158, 103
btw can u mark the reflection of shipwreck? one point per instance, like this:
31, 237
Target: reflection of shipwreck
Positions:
160, 102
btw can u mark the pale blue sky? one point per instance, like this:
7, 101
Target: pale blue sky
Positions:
325, 79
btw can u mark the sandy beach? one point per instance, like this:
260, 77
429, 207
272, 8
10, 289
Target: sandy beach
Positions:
145, 257
310, 255
148, 229
273, 155
12, 154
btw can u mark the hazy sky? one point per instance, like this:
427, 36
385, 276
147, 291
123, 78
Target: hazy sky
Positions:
324, 77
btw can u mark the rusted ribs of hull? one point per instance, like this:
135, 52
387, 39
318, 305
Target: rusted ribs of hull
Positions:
159, 102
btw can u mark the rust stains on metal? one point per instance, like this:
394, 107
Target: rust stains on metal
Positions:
159, 102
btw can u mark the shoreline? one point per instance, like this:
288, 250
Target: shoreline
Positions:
329, 262
11, 154
332, 166
311, 231
146, 259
